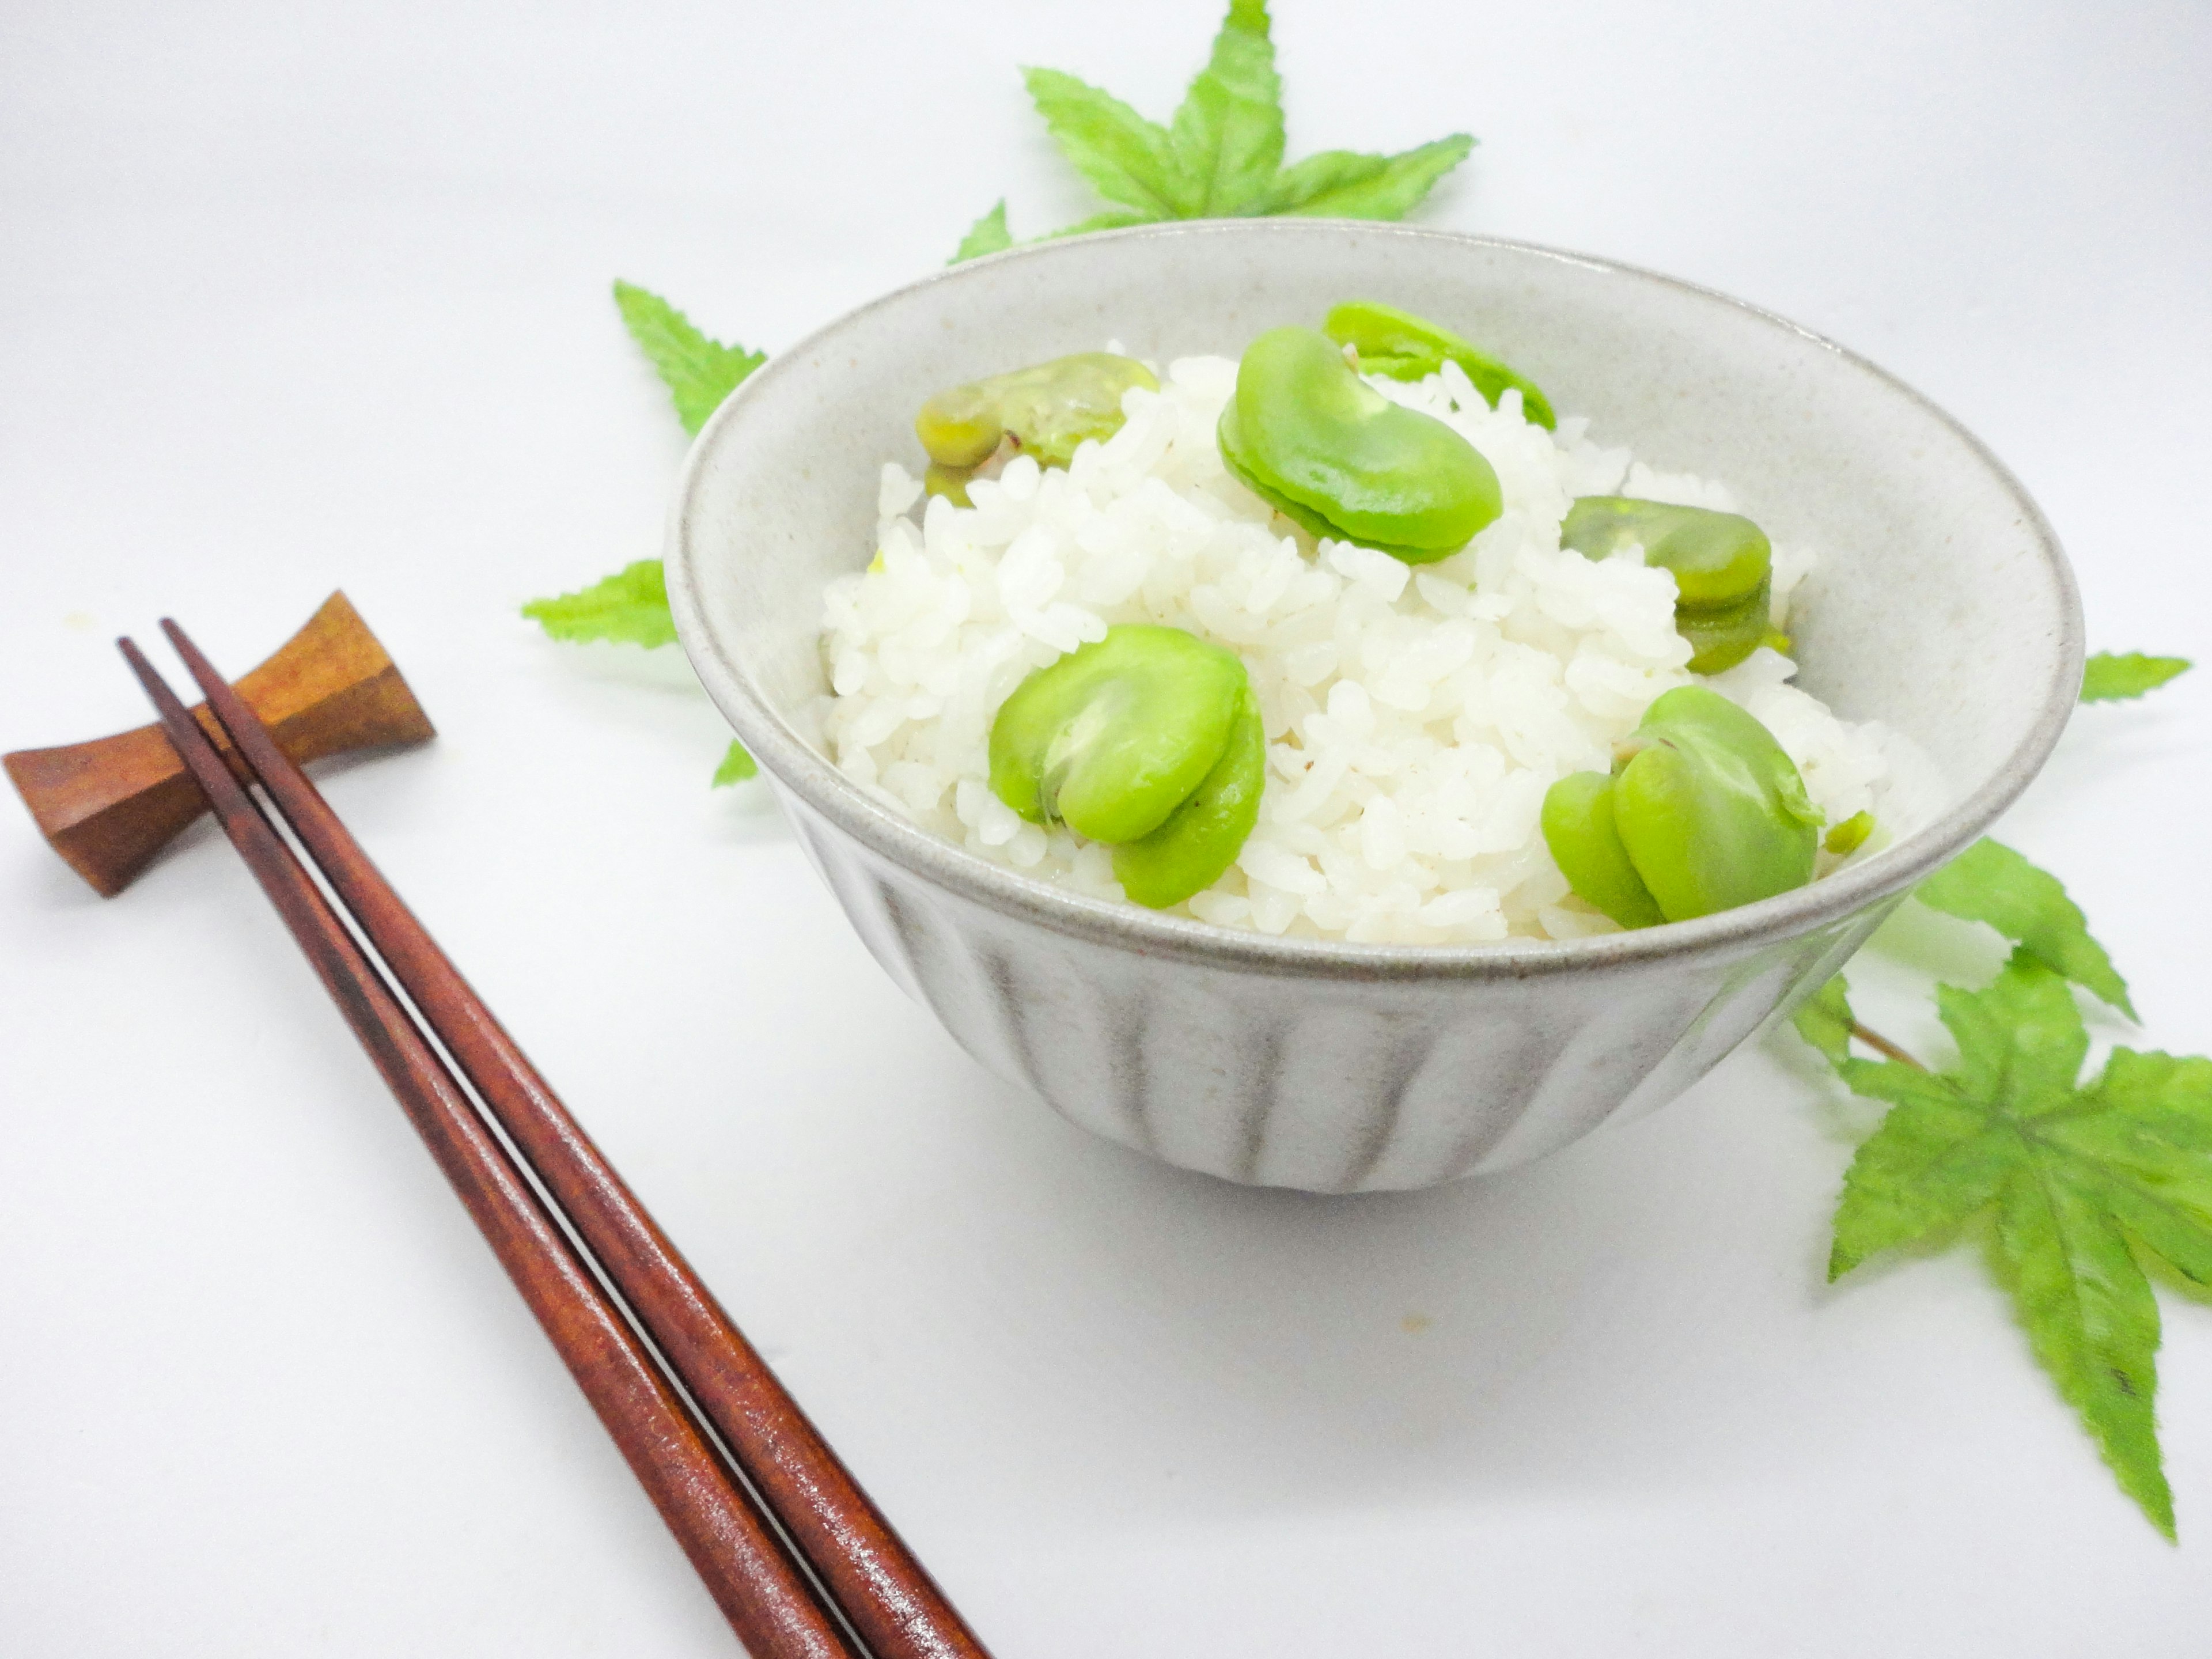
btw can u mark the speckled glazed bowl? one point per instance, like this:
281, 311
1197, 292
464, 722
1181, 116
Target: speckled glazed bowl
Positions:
1942, 605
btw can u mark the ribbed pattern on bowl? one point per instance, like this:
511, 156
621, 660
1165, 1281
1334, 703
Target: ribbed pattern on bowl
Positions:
1330, 1086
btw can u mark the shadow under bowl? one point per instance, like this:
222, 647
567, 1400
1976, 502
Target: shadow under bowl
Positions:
1942, 606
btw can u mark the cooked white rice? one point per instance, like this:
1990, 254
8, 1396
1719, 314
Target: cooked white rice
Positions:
1415, 716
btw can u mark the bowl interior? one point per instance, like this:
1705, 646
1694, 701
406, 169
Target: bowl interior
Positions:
1941, 606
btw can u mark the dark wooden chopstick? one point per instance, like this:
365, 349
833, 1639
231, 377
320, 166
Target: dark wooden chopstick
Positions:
885, 1593
769, 1602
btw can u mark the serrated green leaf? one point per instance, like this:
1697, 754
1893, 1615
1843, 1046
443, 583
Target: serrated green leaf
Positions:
1933, 1163
1323, 173
2107, 677
1338, 184
2147, 1128
1991, 883
628, 608
2090, 1317
988, 235
737, 765
1228, 134
1126, 158
2170, 1095
699, 372
2022, 1041
1222, 154
2081, 1177
1824, 1019
1112, 219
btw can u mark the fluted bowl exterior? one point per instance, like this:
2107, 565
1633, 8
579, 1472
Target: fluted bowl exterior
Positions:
1332, 1084
1943, 606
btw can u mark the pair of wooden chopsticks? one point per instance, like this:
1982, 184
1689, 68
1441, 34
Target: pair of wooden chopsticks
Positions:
636, 1357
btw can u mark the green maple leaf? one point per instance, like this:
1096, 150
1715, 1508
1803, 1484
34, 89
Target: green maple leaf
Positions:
2081, 1179
1824, 1019
631, 606
699, 372
1221, 156
1991, 883
988, 235
738, 764
1341, 183
1126, 158
1112, 219
2107, 677
1227, 137
628, 608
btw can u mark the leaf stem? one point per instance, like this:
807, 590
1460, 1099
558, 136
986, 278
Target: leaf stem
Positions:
1882, 1046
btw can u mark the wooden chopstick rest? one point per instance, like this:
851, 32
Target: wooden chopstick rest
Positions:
109, 806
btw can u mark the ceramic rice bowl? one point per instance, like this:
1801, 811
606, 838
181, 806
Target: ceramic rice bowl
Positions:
1941, 606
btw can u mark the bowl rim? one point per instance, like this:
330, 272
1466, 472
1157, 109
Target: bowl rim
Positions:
798, 767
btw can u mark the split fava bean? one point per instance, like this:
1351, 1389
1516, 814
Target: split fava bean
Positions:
1585, 842
1048, 410
1310, 437
1721, 562
1201, 837
1147, 739
1408, 347
1722, 639
1703, 811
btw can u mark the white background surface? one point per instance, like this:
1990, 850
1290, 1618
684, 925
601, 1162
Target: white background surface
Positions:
296, 298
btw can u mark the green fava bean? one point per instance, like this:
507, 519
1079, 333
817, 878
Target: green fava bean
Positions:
1312, 438
1716, 558
1711, 811
1721, 562
1723, 638
961, 428
1047, 409
950, 481
1703, 811
1116, 735
1408, 347
1201, 837
1586, 845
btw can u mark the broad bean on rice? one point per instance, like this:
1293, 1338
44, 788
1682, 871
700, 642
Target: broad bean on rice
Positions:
1150, 740
1306, 435
1202, 837
1047, 410
1721, 562
1703, 811
950, 481
1585, 841
1405, 347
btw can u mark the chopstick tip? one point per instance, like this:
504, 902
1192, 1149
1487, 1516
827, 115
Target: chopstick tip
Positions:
148, 676
195, 659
